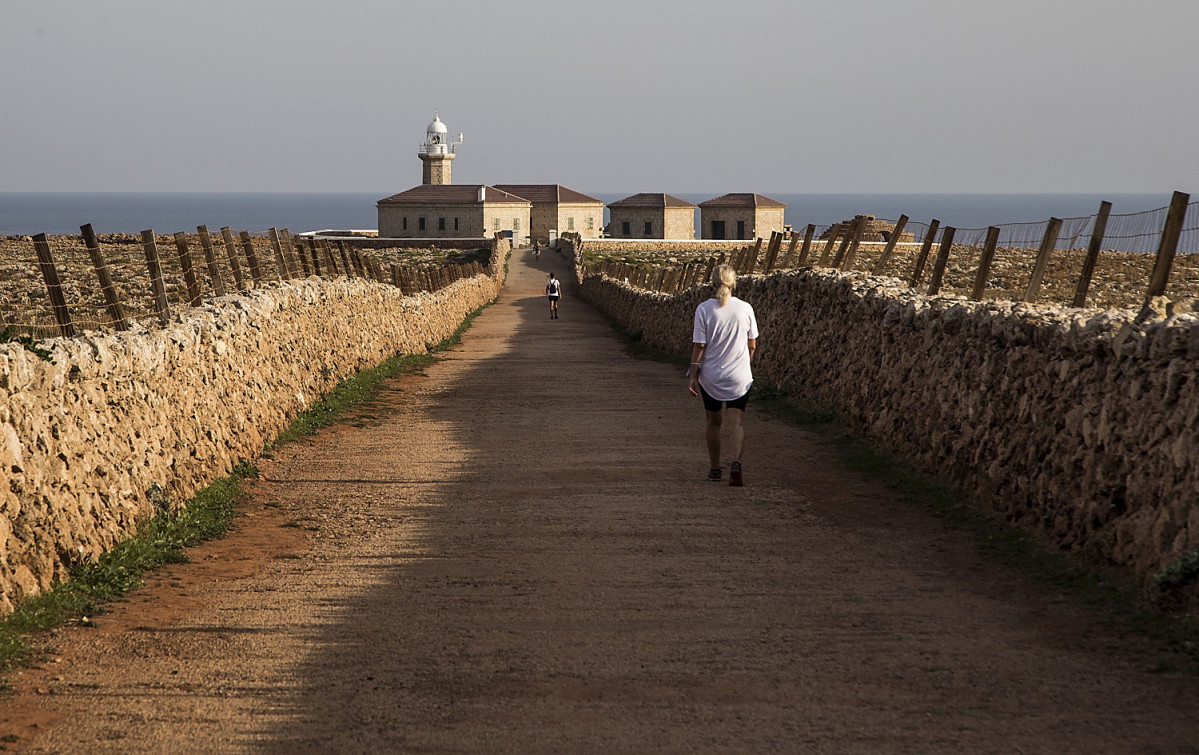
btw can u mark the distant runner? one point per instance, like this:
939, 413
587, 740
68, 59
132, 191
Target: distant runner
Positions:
553, 289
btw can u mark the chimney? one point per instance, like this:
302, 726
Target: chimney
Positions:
482, 193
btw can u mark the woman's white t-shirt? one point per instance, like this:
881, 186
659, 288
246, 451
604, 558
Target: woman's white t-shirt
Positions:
724, 371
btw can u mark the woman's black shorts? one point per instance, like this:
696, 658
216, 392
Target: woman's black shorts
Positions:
712, 405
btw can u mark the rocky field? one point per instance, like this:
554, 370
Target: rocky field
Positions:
25, 307
1120, 278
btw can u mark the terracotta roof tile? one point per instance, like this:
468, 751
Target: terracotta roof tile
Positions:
651, 200
742, 200
450, 194
549, 193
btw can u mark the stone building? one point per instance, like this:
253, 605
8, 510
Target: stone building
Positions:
740, 216
557, 209
437, 209
433, 211
651, 216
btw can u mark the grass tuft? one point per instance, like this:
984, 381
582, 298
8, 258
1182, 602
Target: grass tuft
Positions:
363, 386
162, 539
159, 540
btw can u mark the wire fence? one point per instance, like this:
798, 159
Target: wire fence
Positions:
89, 283
1101, 260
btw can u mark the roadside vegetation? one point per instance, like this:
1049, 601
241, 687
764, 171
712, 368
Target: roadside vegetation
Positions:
164, 538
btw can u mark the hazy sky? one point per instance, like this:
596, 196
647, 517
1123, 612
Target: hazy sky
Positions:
612, 96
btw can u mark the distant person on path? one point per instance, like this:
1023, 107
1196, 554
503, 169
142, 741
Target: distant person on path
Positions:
724, 338
553, 289
537, 249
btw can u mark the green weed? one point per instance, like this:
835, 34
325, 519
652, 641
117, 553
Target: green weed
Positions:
159, 540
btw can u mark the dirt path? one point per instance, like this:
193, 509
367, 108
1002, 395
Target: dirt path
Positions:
519, 553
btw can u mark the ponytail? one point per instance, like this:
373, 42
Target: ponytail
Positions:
724, 279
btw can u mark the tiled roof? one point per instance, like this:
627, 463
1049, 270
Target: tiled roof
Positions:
651, 200
549, 193
742, 200
451, 194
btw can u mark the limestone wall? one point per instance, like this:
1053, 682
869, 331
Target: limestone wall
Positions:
1081, 423
617, 246
87, 443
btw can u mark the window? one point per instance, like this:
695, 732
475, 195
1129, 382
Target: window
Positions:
624, 228
497, 224
591, 224
516, 224
570, 224
405, 224
421, 224
455, 224
441, 224
649, 228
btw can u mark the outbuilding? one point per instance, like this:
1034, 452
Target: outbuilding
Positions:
651, 216
740, 216
557, 210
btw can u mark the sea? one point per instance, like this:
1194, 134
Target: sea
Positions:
28, 213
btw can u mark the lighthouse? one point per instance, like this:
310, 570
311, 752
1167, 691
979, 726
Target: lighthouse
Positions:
437, 152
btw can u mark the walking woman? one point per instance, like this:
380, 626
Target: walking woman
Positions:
723, 340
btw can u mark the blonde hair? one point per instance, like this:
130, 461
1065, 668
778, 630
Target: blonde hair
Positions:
724, 279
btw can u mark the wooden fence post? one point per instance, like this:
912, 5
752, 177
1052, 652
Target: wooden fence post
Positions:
804, 251
1088, 264
924, 249
846, 240
934, 280
58, 302
280, 261
154, 266
833, 234
289, 253
115, 311
214, 272
1168, 245
314, 256
772, 250
984, 264
294, 250
751, 259
189, 273
231, 252
851, 254
1038, 271
322, 252
889, 249
789, 257
247, 248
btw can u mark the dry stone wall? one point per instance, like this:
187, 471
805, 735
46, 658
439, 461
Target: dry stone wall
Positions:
1081, 423
119, 423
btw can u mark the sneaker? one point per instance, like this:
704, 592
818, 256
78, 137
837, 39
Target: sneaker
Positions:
735, 474
714, 474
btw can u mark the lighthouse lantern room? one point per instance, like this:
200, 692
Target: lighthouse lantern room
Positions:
436, 152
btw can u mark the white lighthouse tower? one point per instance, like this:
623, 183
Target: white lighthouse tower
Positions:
436, 152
